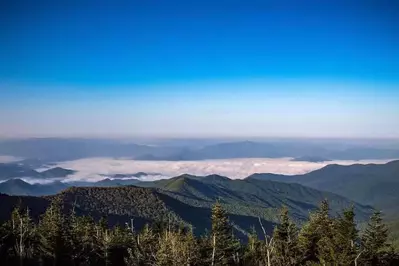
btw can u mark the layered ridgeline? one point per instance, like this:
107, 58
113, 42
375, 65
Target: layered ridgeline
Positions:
249, 197
21, 188
373, 184
188, 199
20, 170
58, 149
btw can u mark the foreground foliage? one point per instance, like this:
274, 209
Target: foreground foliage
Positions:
57, 239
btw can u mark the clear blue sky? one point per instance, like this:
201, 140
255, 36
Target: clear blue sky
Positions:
207, 68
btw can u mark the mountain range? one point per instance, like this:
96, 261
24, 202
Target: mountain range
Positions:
188, 199
17, 170
57, 149
20, 187
374, 184
371, 184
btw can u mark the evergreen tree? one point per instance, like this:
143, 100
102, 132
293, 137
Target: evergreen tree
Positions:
4, 235
224, 245
190, 249
120, 241
285, 237
345, 238
374, 240
83, 242
144, 249
113, 244
177, 248
315, 237
253, 250
54, 236
323, 240
205, 248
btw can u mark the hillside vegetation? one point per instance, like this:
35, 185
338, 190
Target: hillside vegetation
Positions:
61, 237
188, 199
373, 184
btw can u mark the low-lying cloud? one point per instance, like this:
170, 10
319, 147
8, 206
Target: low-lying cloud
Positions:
8, 159
95, 169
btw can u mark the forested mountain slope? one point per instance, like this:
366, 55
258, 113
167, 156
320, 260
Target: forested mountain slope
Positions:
187, 200
374, 184
251, 197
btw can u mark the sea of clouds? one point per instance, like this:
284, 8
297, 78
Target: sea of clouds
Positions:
95, 169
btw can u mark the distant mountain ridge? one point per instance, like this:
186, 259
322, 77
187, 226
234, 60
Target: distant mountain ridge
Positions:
374, 184
135, 175
22, 188
57, 149
312, 159
11, 170
16, 170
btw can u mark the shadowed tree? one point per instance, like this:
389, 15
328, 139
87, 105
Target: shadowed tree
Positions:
374, 241
315, 236
285, 237
345, 238
253, 250
224, 245
54, 236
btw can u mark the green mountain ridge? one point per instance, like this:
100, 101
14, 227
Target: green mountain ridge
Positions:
188, 200
372, 184
254, 197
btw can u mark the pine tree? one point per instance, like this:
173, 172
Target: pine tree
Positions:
54, 236
323, 240
190, 248
4, 235
253, 250
285, 237
144, 248
315, 237
83, 241
345, 238
120, 242
177, 247
113, 244
224, 245
205, 248
374, 240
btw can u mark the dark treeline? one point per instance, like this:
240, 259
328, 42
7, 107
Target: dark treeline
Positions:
58, 239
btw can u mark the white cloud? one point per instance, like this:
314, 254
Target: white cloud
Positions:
40, 181
8, 159
94, 169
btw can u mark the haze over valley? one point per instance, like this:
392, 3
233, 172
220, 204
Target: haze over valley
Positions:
89, 159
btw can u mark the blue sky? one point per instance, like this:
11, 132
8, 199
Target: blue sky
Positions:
206, 68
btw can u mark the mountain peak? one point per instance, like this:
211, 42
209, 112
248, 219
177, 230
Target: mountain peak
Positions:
16, 181
57, 172
215, 177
